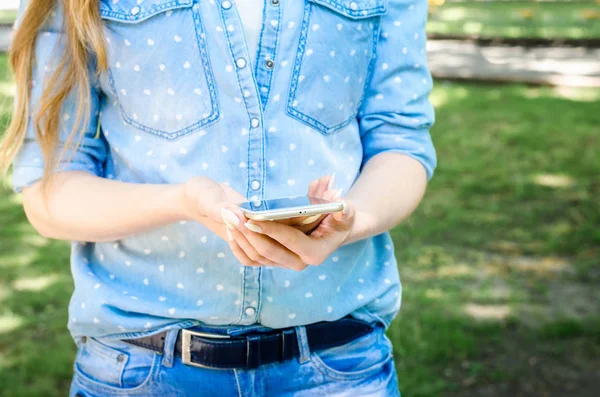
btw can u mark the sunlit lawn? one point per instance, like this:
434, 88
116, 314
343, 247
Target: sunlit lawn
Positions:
517, 19
553, 20
499, 264
7, 16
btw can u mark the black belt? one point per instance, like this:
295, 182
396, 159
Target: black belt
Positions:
252, 350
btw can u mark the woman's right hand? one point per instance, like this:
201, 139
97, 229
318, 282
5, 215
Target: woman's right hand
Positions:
203, 199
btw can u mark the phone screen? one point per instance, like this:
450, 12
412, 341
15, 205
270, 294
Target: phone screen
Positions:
283, 202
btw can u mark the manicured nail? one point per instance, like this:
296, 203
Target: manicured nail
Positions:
253, 227
230, 219
310, 219
338, 194
229, 234
331, 181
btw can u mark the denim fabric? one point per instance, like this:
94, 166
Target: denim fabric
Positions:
336, 82
108, 367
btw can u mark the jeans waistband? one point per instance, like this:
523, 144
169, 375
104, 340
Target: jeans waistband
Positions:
232, 330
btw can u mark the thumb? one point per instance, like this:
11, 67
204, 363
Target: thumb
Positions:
343, 219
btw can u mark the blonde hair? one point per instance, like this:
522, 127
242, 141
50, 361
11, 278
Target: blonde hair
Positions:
83, 38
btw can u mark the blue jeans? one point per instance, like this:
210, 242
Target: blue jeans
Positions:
107, 367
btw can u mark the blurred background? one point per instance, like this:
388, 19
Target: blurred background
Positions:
501, 263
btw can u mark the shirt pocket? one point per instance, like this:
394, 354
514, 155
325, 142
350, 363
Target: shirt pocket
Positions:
334, 60
159, 70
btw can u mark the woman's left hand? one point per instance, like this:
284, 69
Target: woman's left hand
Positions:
277, 244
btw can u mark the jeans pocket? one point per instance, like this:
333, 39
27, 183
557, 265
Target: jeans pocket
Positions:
359, 359
103, 369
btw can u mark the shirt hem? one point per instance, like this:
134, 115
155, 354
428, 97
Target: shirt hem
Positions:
134, 335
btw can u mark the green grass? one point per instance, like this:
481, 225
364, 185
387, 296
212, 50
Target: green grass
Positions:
7, 16
499, 264
498, 19
501, 258
502, 19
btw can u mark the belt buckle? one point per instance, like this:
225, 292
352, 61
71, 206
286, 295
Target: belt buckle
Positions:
186, 341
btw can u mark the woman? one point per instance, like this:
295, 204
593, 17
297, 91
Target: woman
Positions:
183, 108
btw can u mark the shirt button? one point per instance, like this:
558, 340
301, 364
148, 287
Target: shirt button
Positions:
241, 63
121, 358
255, 185
254, 123
275, 2
353, 6
250, 311
226, 4
135, 10
270, 64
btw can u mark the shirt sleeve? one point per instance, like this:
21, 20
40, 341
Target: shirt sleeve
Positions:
28, 164
396, 114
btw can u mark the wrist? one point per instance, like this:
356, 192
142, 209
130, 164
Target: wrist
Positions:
362, 228
196, 197
177, 200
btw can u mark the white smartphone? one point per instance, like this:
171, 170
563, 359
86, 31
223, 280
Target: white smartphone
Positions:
290, 207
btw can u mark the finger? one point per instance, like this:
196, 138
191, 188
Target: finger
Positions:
312, 188
291, 238
323, 185
271, 249
249, 249
331, 183
330, 195
230, 214
333, 194
345, 217
238, 252
311, 219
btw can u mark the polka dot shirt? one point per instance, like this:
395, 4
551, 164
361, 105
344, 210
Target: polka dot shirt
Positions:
334, 83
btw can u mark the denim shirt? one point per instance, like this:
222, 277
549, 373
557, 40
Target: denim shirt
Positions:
335, 83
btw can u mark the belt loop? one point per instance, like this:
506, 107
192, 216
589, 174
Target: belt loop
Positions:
302, 344
287, 344
169, 347
253, 359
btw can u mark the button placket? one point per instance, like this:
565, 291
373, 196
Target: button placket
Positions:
267, 49
249, 310
240, 63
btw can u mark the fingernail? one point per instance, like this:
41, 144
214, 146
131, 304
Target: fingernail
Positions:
310, 219
253, 227
338, 194
229, 235
231, 220
331, 181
